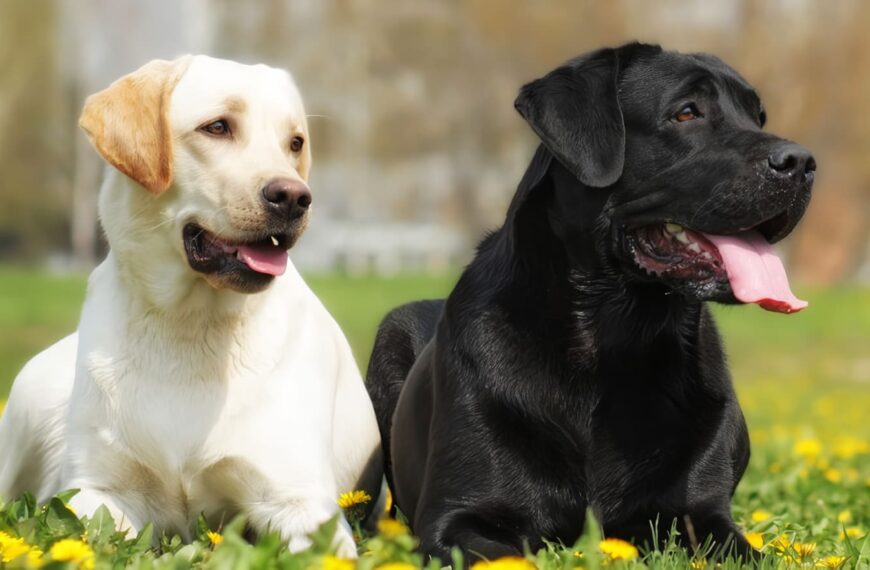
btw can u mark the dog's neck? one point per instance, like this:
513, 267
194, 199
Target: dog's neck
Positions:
626, 318
186, 345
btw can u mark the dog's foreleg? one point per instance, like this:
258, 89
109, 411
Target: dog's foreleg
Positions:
729, 541
477, 537
295, 519
87, 501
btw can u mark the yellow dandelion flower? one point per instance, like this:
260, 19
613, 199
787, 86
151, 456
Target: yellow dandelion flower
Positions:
214, 537
334, 563
391, 528
804, 549
353, 498
34, 558
831, 561
505, 563
618, 549
781, 543
851, 532
833, 475
755, 539
808, 448
760, 515
396, 566
844, 517
12, 547
699, 564
388, 503
76, 551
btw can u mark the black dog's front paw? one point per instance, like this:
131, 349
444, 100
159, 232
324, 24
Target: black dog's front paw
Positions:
724, 536
477, 539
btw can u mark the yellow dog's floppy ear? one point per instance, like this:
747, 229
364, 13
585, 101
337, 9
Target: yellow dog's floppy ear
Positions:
128, 122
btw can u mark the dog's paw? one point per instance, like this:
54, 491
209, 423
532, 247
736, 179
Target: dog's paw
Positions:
298, 543
343, 543
345, 546
296, 519
87, 501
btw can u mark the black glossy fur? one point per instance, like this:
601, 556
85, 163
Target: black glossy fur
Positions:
557, 376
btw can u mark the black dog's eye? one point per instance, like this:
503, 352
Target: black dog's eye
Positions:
687, 113
762, 117
296, 144
219, 128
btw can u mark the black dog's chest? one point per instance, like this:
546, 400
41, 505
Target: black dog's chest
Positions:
637, 431
639, 439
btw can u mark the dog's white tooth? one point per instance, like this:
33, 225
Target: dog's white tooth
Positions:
673, 228
683, 238
706, 255
695, 247
274, 240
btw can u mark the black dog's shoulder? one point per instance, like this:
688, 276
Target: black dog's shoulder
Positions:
400, 339
411, 324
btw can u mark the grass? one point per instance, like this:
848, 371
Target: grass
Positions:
803, 381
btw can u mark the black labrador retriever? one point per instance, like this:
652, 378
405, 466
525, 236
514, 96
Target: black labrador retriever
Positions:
575, 365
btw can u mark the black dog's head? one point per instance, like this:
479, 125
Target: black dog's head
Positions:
665, 155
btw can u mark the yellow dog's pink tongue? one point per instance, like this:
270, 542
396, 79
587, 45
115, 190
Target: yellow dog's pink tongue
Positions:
264, 258
756, 272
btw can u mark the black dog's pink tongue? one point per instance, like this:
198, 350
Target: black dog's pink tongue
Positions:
756, 272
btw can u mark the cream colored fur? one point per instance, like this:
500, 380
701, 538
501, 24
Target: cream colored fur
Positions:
175, 397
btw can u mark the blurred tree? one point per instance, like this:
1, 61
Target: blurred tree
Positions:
34, 217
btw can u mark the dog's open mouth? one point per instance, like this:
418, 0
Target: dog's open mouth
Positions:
745, 261
207, 253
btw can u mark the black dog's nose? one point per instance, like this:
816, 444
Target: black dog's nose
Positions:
289, 198
790, 159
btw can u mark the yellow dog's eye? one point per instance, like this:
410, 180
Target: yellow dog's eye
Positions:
296, 144
219, 128
687, 113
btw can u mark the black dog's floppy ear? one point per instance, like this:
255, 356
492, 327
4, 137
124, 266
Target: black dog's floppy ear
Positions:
575, 110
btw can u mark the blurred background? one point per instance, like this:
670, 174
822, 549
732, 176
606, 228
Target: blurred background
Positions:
417, 146
418, 150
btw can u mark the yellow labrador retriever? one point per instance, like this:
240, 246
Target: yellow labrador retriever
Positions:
205, 376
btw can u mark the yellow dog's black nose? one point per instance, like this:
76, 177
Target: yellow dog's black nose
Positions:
286, 197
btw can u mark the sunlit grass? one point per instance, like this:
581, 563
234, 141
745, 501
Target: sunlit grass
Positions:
803, 381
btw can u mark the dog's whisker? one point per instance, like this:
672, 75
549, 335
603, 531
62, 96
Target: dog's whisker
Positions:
703, 205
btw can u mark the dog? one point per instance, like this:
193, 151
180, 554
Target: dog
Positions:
205, 376
575, 365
